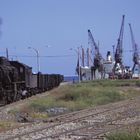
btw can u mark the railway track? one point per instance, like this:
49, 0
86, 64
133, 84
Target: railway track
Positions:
87, 123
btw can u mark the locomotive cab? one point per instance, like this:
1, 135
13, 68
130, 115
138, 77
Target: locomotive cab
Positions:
8, 76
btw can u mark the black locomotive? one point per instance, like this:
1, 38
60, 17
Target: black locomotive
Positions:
18, 82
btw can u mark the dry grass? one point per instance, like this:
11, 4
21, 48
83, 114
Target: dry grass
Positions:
80, 96
6, 125
131, 134
87, 94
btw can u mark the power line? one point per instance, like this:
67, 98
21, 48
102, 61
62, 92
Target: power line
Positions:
49, 56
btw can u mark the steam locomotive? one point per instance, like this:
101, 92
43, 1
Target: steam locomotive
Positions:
18, 82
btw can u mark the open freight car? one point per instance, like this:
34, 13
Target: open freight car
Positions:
17, 81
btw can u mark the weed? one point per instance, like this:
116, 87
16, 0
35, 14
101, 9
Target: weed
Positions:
5, 124
83, 95
125, 135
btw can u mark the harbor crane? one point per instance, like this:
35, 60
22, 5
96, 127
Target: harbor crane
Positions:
97, 57
118, 66
136, 58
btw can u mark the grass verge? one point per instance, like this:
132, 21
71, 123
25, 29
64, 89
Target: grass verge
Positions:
83, 95
125, 135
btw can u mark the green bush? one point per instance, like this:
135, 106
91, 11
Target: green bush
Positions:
137, 83
38, 107
125, 135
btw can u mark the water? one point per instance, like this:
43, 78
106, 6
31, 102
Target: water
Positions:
71, 78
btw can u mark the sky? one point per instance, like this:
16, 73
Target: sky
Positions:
52, 27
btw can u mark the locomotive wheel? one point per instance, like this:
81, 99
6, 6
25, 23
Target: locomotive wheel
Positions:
5, 101
18, 97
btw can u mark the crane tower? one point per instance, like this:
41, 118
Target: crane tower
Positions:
97, 59
136, 58
118, 66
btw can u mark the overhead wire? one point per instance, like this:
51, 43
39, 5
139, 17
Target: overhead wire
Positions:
45, 56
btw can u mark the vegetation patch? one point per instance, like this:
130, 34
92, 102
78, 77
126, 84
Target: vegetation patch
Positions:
125, 135
137, 83
79, 96
38, 115
5, 125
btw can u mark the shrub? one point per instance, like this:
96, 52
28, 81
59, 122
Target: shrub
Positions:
125, 135
138, 83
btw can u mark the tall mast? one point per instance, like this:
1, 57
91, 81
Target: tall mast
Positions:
119, 48
83, 57
135, 50
94, 50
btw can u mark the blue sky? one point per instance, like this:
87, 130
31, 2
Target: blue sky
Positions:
63, 24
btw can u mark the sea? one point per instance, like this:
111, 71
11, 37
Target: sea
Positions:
71, 78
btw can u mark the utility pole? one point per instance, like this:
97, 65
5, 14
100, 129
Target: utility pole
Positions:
88, 57
83, 57
0, 24
7, 55
78, 62
113, 46
37, 56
